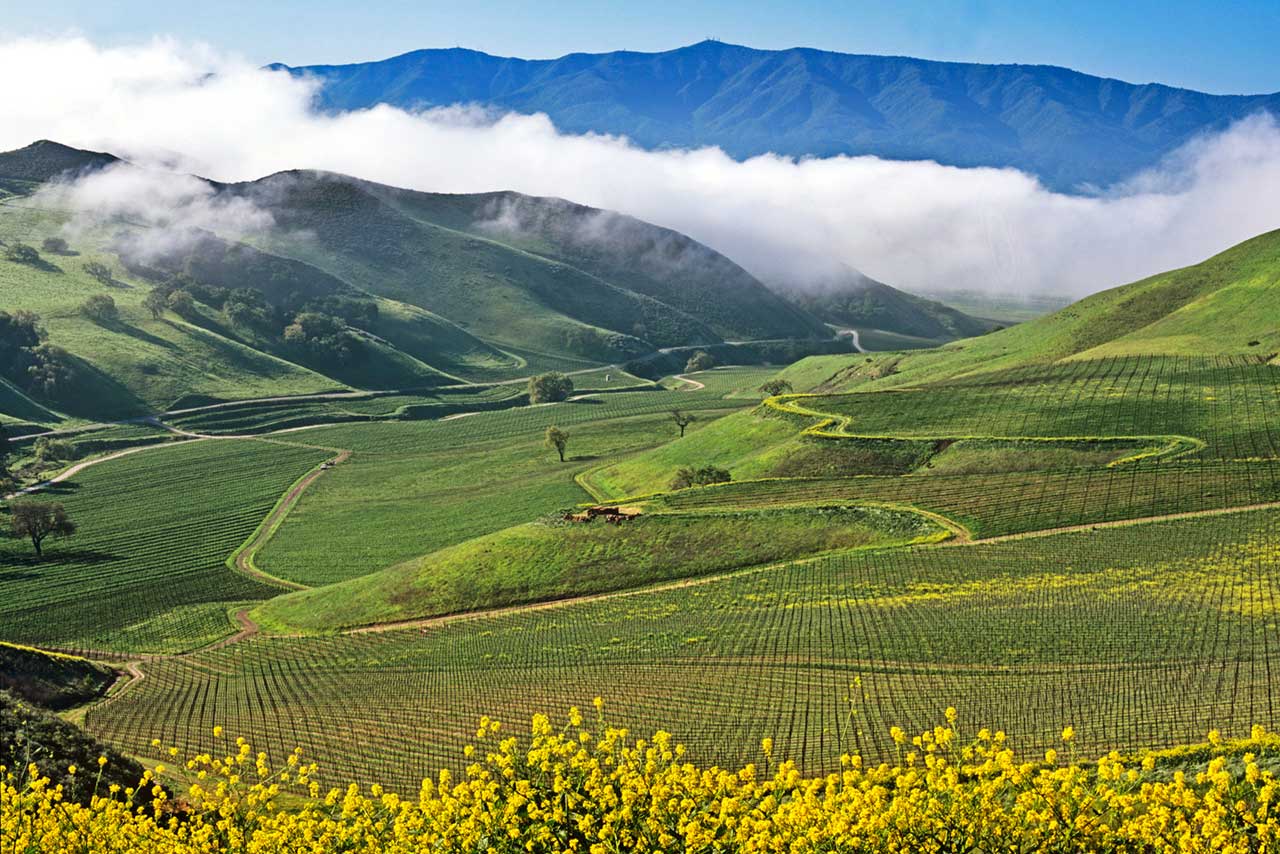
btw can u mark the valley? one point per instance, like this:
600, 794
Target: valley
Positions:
502, 523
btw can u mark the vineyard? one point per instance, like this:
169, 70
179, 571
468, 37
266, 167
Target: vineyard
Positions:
148, 572
1133, 635
1089, 543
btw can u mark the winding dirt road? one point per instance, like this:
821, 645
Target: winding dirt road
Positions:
79, 467
243, 558
694, 385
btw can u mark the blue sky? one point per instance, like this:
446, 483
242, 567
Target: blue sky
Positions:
1217, 47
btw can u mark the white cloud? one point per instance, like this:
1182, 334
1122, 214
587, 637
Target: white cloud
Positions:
916, 225
166, 211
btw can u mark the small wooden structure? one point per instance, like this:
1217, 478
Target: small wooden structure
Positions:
611, 515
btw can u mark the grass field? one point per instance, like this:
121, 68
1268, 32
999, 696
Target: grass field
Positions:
555, 558
415, 487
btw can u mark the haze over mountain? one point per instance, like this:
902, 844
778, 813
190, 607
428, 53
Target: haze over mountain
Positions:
1072, 130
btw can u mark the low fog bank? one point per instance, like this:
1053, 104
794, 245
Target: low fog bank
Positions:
916, 225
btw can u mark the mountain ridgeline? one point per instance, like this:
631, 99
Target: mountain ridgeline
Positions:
1072, 130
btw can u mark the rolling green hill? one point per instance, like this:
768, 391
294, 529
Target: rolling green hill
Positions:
415, 289
852, 300
552, 559
1226, 305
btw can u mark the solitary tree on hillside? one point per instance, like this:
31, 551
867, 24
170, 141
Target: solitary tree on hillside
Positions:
156, 301
54, 245
775, 387
181, 303
549, 388
100, 308
683, 419
558, 439
101, 272
700, 361
37, 521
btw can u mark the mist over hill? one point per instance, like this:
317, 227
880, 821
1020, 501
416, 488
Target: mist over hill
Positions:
308, 281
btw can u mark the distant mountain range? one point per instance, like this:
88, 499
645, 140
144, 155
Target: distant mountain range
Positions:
1073, 130
437, 287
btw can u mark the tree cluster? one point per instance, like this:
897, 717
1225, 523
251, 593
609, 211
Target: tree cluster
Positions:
688, 476
322, 337
314, 329
549, 388
101, 272
773, 388
700, 361
48, 450
21, 253
29, 361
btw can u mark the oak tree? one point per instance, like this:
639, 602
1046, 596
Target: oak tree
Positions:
36, 521
557, 439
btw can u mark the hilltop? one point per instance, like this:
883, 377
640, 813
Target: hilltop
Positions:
1068, 128
887, 317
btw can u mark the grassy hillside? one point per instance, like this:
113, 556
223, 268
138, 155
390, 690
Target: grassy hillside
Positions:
50, 679
45, 160
1226, 305
530, 272
419, 290
644, 258
851, 300
553, 559
135, 364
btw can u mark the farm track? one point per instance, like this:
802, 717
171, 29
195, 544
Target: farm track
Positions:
244, 556
1122, 523
79, 467
248, 628
694, 385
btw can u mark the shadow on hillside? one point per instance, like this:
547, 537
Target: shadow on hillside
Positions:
51, 558
96, 395
141, 335
62, 487
41, 265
